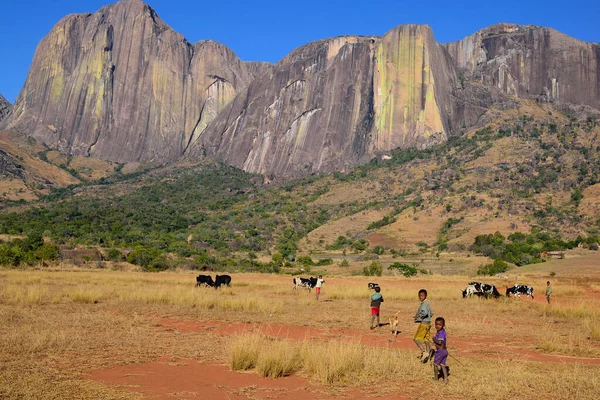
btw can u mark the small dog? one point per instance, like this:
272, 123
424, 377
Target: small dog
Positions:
395, 323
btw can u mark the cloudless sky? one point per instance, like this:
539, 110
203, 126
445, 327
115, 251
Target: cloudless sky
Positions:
267, 30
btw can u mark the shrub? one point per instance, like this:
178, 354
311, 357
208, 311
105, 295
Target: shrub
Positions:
379, 250
497, 267
405, 269
374, 269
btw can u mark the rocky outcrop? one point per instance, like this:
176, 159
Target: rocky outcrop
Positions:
531, 62
5, 109
121, 85
339, 102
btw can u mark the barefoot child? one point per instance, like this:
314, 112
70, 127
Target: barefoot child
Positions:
441, 353
376, 300
423, 336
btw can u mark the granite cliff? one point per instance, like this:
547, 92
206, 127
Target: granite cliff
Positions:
531, 62
339, 102
5, 109
121, 85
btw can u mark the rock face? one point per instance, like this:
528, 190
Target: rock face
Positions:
336, 103
120, 84
530, 61
5, 109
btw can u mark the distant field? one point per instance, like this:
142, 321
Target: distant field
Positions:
98, 334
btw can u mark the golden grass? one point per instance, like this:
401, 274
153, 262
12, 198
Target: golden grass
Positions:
58, 324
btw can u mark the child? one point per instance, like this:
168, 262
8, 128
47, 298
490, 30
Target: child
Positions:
548, 291
320, 283
422, 336
376, 300
441, 353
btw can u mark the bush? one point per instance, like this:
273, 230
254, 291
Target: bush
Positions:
379, 250
497, 267
375, 269
344, 263
405, 269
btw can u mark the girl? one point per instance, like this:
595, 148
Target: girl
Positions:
441, 353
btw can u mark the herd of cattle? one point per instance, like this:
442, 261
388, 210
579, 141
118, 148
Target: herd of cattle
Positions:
473, 288
490, 291
206, 280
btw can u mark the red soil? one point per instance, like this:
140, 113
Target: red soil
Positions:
187, 379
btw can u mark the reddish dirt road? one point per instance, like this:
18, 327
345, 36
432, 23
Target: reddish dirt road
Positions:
188, 379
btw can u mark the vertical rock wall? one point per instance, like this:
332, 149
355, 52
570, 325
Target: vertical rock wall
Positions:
121, 85
529, 61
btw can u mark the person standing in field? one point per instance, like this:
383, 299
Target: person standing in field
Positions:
318, 286
441, 352
376, 300
548, 291
422, 335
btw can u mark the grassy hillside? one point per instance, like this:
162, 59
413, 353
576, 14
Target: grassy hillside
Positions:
530, 170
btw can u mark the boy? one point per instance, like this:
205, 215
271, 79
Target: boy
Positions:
320, 283
548, 291
422, 336
441, 353
376, 300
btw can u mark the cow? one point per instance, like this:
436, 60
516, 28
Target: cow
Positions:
373, 285
206, 268
469, 291
205, 280
490, 291
480, 289
395, 323
308, 283
222, 280
518, 290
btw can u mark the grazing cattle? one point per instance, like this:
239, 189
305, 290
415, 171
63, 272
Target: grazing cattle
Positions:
518, 290
308, 283
222, 280
206, 268
373, 285
480, 289
205, 280
490, 291
395, 323
469, 291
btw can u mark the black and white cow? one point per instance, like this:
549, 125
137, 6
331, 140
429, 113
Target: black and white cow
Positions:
373, 285
480, 289
308, 283
205, 280
222, 280
490, 291
519, 290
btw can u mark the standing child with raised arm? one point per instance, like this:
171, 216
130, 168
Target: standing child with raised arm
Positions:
376, 300
441, 352
423, 336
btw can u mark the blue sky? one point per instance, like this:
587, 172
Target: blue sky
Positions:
267, 30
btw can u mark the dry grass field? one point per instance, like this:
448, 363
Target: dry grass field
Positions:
101, 334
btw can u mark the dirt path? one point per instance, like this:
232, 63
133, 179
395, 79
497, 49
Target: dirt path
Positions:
167, 379
378, 338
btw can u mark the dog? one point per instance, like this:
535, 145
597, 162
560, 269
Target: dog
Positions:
395, 323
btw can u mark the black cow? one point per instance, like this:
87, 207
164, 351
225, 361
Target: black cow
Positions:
222, 280
518, 290
373, 285
308, 283
204, 280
